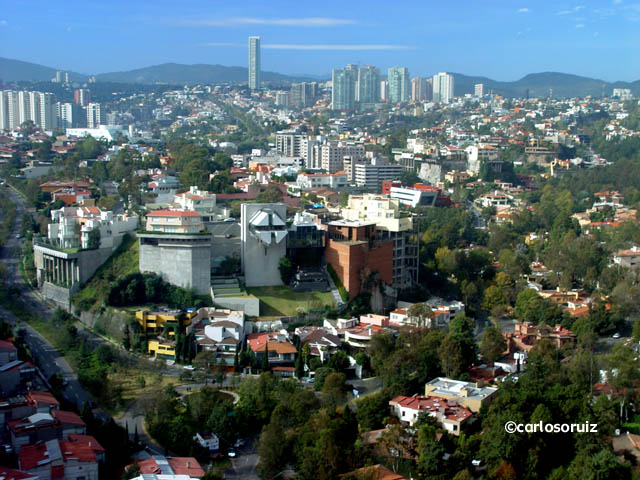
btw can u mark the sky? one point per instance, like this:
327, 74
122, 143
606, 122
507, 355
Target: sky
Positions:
501, 39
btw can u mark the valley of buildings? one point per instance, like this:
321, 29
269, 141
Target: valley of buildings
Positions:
346, 217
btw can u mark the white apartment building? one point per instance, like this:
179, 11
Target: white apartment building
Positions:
443, 84
476, 154
94, 116
292, 144
372, 175
311, 181
64, 112
329, 156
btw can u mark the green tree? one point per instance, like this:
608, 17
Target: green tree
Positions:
493, 344
421, 312
287, 269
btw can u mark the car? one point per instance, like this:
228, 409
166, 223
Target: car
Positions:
476, 463
232, 453
239, 443
189, 367
615, 335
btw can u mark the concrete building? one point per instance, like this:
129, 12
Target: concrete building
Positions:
94, 115
329, 156
390, 225
412, 197
263, 234
420, 89
354, 249
303, 94
622, 93
255, 76
478, 90
371, 174
310, 181
384, 90
177, 247
292, 144
56, 459
282, 99
628, 258
469, 395
79, 240
64, 114
443, 87
202, 202
343, 92
368, 90
477, 154
82, 97
399, 84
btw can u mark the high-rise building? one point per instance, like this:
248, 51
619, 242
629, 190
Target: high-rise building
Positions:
442, 87
343, 92
4, 111
419, 87
24, 108
384, 90
254, 63
47, 111
34, 107
302, 94
368, 84
282, 99
94, 117
399, 84
478, 90
330, 156
64, 113
82, 97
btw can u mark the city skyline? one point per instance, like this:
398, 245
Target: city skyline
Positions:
504, 41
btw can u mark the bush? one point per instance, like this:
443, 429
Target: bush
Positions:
343, 291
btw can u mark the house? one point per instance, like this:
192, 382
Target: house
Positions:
159, 464
467, 394
154, 322
10, 474
442, 312
161, 348
526, 335
628, 258
8, 352
448, 413
91, 442
57, 459
322, 342
208, 440
16, 376
279, 349
219, 330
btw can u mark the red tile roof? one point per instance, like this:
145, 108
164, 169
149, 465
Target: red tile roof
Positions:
10, 474
68, 418
4, 345
87, 440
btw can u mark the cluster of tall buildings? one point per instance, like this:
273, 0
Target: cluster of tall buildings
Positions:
17, 107
357, 85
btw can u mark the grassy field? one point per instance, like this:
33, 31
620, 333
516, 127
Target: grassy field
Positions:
283, 301
123, 262
136, 384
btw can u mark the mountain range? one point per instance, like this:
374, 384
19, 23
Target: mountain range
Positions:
561, 85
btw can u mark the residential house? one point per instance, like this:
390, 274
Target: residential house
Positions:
159, 464
322, 342
448, 413
57, 459
8, 352
526, 335
280, 350
208, 440
467, 394
628, 258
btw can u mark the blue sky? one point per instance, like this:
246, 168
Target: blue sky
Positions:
503, 40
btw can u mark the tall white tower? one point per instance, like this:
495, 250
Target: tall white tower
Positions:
254, 63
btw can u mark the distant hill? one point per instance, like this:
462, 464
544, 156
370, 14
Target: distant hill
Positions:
563, 84
17, 70
177, 74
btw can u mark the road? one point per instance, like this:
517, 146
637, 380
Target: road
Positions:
49, 359
244, 466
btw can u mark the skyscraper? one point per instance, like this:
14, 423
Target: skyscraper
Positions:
384, 90
94, 117
254, 63
343, 92
368, 84
65, 115
419, 89
81, 96
442, 87
399, 84
478, 90
48, 119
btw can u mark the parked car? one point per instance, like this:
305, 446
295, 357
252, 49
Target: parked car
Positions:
615, 335
232, 453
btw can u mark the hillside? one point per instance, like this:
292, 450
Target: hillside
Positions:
17, 70
123, 262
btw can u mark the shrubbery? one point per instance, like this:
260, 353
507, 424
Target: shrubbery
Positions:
142, 288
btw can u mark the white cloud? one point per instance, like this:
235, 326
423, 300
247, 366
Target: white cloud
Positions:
580, 25
578, 8
279, 22
296, 46
523, 10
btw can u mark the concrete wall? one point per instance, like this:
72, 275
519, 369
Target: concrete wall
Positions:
434, 172
260, 262
182, 260
61, 296
249, 305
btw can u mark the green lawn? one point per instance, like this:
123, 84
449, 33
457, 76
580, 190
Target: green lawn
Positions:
283, 301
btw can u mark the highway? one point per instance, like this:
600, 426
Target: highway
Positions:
48, 358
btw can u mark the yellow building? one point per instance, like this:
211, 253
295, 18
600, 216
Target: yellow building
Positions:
154, 322
162, 349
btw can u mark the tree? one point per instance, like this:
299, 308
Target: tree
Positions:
493, 344
334, 389
286, 268
493, 297
451, 357
421, 312
265, 358
299, 366
271, 194
236, 363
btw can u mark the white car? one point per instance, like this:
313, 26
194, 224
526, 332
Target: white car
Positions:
232, 453
615, 335
189, 367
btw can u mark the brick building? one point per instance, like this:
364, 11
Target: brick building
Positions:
353, 250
